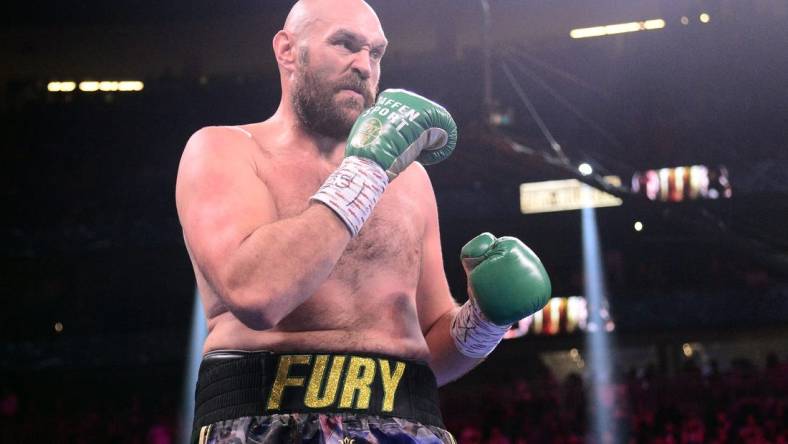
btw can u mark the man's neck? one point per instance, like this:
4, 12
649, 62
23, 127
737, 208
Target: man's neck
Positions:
307, 141
326, 146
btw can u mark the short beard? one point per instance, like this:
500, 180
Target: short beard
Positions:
315, 105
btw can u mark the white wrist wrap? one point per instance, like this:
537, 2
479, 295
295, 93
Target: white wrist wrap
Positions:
352, 190
474, 335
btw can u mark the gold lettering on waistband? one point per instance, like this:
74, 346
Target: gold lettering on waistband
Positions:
313, 399
360, 373
390, 382
283, 379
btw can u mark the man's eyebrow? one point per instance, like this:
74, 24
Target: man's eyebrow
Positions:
356, 38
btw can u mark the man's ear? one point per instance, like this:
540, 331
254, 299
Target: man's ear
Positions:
285, 50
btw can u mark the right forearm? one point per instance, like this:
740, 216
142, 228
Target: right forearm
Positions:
280, 265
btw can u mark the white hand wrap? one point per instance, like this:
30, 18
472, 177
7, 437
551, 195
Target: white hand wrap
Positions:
352, 190
474, 335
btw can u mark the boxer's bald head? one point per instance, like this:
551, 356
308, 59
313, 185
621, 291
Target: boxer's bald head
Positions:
329, 54
305, 13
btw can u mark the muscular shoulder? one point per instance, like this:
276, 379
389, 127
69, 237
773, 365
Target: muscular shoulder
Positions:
212, 156
414, 176
217, 143
216, 147
416, 183
416, 179
218, 189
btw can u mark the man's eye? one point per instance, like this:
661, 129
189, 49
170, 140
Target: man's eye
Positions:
346, 44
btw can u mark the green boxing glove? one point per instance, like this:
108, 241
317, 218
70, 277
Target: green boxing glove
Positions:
400, 128
506, 282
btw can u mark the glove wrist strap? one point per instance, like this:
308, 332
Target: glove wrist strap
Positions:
474, 335
352, 191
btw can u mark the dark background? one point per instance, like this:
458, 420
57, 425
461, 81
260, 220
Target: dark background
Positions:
91, 237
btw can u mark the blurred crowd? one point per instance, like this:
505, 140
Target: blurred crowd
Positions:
94, 420
744, 405
87, 409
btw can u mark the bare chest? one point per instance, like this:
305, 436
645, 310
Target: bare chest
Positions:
388, 243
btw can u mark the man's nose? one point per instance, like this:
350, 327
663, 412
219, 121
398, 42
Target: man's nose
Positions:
362, 63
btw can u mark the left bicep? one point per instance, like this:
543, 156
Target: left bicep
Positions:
433, 297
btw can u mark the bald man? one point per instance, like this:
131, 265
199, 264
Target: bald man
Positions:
315, 245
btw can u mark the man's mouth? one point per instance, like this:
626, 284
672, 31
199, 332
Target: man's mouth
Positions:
354, 91
356, 95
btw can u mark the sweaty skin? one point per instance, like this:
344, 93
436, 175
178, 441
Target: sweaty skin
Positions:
278, 272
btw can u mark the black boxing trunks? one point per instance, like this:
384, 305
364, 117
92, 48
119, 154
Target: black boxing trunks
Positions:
348, 398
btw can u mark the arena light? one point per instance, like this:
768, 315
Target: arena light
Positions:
88, 86
704, 18
561, 316
598, 344
61, 86
199, 330
622, 28
108, 86
582, 33
677, 184
130, 85
565, 195
618, 28
96, 85
650, 25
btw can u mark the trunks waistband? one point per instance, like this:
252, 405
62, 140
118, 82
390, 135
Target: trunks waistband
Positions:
234, 384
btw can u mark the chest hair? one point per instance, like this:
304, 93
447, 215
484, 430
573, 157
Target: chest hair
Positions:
389, 241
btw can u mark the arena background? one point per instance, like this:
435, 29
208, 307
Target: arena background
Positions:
98, 290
